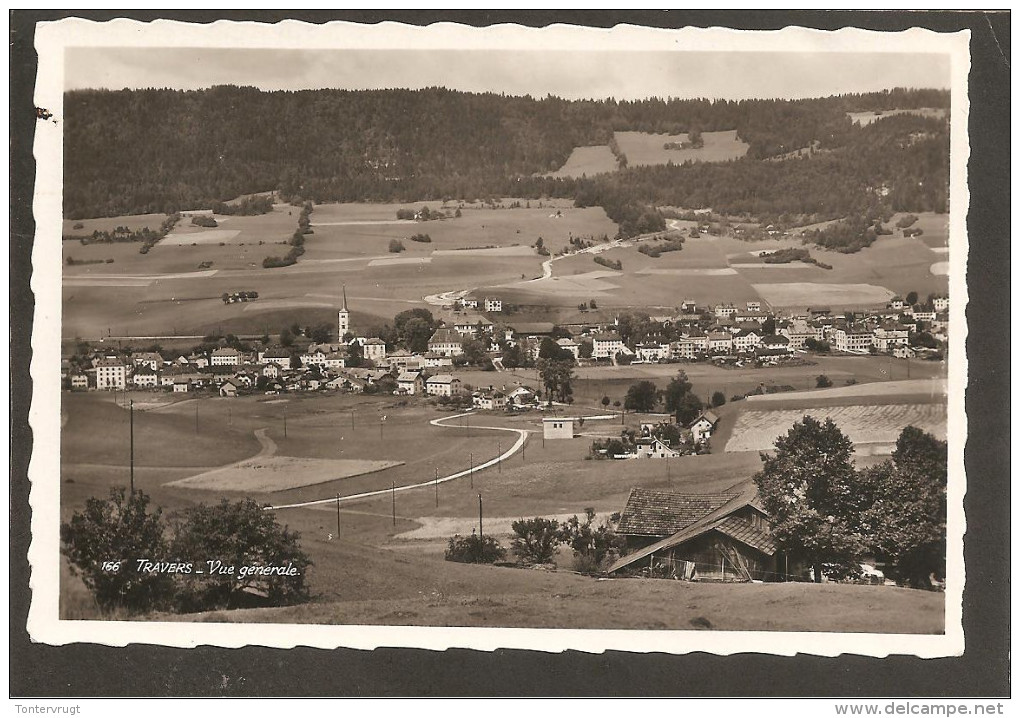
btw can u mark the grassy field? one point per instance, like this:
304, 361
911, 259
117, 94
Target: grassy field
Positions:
866, 118
725, 269
587, 161
378, 572
485, 249
486, 596
872, 428
643, 148
164, 292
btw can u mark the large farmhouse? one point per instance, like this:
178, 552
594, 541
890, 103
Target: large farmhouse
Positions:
722, 537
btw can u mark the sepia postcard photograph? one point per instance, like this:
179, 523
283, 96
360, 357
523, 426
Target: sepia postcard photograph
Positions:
361, 335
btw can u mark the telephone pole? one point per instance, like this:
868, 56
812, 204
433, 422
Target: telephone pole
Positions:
437, 487
338, 516
471, 473
132, 431
479, 518
393, 500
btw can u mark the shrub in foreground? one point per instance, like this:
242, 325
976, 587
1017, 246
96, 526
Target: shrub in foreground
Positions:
474, 549
535, 540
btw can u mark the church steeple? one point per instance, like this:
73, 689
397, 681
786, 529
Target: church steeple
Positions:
343, 317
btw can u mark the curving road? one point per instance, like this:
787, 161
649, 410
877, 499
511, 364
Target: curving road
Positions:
522, 436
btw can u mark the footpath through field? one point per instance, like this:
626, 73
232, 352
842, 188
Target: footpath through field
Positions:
522, 436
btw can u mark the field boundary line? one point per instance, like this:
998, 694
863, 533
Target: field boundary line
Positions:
522, 436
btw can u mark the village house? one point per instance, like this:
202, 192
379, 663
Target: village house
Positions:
111, 373
648, 447
182, 385
896, 303
753, 306
725, 310
374, 349
652, 352
271, 370
493, 304
410, 383
228, 388
923, 313
198, 361
606, 346
447, 342
798, 331
521, 396
889, 336
533, 329
345, 383
940, 303
152, 360
720, 537
443, 385
702, 427
856, 340
689, 345
720, 343
225, 356
746, 340
571, 346
490, 400
776, 343
145, 378
434, 361
558, 427
750, 316
276, 355
79, 382
472, 325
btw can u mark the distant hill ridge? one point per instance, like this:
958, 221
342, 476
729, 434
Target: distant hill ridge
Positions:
138, 151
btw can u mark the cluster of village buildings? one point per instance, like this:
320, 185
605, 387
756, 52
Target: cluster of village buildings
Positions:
723, 332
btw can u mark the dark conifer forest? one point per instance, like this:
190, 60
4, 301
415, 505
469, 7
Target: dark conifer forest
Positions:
139, 151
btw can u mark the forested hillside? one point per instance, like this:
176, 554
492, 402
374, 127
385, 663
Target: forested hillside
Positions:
137, 151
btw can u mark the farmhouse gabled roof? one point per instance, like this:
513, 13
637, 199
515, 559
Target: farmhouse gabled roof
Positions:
442, 379
409, 376
608, 337
445, 336
707, 416
533, 328
720, 519
651, 512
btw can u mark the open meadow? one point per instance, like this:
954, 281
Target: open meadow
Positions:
176, 287
588, 161
645, 148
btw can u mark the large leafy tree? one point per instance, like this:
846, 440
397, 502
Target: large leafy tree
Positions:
907, 515
808, 488
104, 544
414, 328
641, 396
557, 375
239, 535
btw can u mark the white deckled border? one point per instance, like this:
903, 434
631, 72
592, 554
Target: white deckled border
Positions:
44, 471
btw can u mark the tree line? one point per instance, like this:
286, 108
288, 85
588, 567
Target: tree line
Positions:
405, 145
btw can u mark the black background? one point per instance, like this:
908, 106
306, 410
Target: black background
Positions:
89, 670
